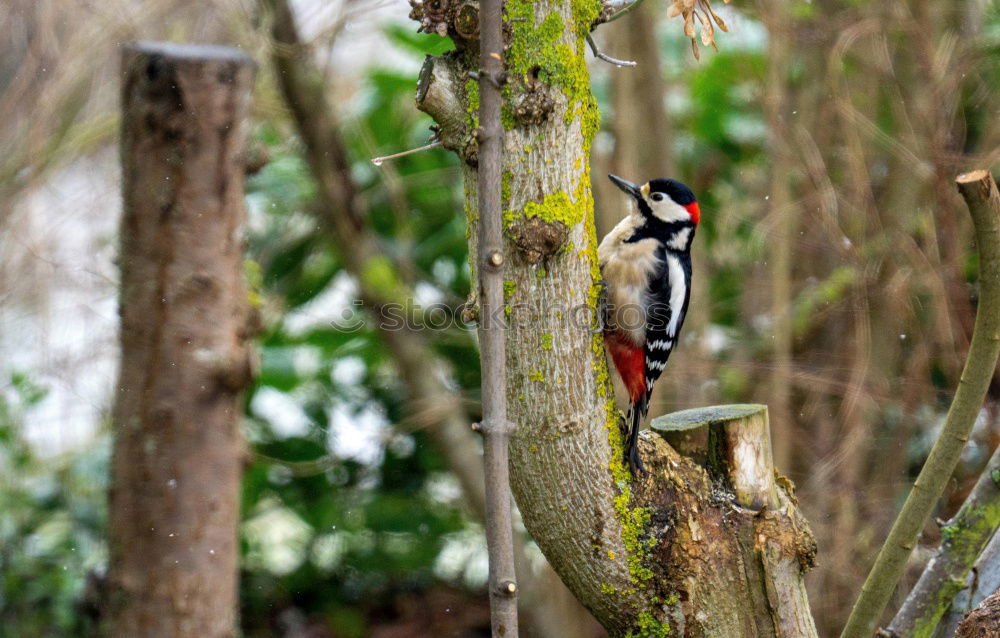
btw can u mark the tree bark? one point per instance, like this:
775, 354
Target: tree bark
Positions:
985, 578
764, 538
962, 540
630, 550
178, 453
981, 622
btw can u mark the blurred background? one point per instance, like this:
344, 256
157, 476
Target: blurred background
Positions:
835, 281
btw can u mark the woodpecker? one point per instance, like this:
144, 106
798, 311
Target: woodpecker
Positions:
646, 266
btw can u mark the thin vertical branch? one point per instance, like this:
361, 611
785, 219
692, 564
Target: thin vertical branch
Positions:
492, 331
980, 193
547, 604
786, 214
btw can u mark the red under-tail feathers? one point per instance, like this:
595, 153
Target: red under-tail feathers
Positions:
630, 361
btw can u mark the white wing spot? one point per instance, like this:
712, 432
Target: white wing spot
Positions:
661, 344
678, 290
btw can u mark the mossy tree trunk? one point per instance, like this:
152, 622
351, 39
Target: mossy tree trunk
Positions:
677, 551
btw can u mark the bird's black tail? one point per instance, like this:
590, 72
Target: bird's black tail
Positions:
636, 414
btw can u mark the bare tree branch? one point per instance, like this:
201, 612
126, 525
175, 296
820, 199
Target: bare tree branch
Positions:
980, 193
496, 428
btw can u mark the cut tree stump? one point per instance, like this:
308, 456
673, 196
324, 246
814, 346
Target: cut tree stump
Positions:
732, 442
768, 538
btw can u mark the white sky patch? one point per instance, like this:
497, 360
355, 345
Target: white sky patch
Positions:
358, 435
762, 324
715, 338
745, 129
361, 40
328, 551
464, 557
745, 33
335, 304
443, 488
348, 371
402, 445
58, 303
444, 271
447, 379
425, 294
277, 539
281, 411
307, 361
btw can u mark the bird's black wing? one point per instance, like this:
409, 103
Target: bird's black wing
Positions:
669, 292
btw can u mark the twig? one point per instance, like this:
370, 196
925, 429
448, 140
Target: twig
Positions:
983, 200
607, 58
377, 161
625, 10
963, 538
495, 427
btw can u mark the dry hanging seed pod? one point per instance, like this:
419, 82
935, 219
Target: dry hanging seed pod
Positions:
701, 9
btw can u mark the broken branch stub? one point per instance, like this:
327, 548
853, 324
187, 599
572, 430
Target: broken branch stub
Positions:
733, 442
439, 95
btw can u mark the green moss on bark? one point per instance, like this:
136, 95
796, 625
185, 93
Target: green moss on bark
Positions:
472, 99
540, 52
649, 627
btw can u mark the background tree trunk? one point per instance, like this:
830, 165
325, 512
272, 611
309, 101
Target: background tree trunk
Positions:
633, 552
174, 497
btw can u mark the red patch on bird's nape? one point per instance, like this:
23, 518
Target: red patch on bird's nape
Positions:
694, 211
630, 361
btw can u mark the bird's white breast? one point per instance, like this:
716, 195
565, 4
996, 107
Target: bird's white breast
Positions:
627, 269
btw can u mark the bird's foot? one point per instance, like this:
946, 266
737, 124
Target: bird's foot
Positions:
634, 462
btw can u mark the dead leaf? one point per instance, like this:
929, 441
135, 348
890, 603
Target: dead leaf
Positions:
702, 10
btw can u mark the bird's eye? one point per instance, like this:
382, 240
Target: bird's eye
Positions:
657, 197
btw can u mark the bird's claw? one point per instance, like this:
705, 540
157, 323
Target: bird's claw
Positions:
634, 462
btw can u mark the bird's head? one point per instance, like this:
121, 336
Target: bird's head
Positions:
664, 199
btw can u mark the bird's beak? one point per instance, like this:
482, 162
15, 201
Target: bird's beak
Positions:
626, 186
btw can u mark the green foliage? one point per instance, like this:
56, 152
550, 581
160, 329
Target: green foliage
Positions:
51, 528
358, 527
